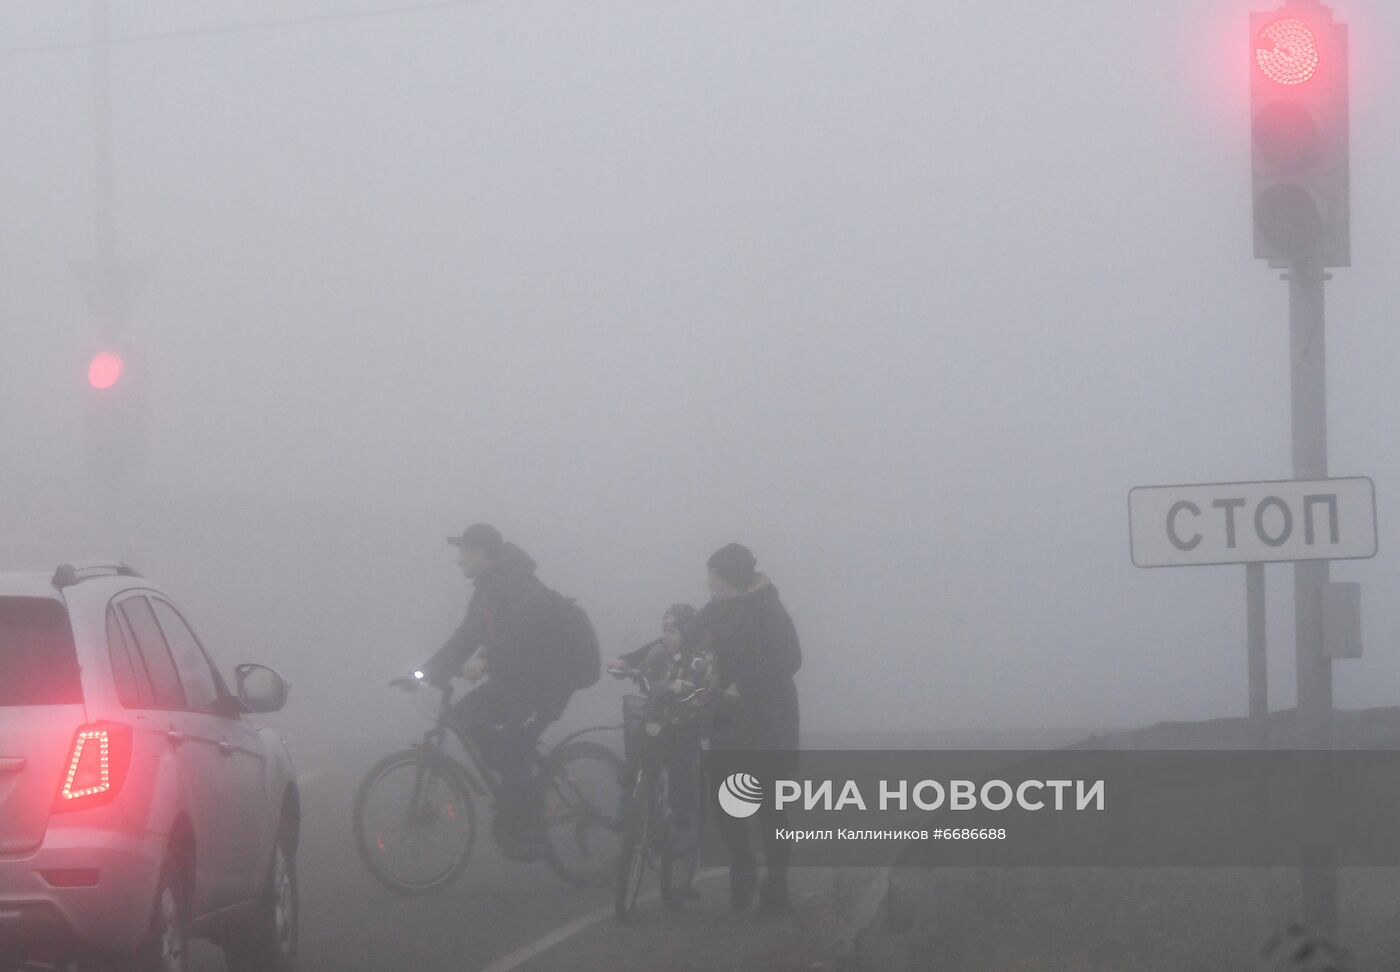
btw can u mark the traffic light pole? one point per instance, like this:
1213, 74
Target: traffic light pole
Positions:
1300, 184
105, 221
1310, 579
1258, 656
115, 403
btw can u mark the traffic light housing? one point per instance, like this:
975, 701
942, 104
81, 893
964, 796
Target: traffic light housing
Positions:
116, 413
1298, 134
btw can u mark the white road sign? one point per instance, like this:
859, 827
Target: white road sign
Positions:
1242, 523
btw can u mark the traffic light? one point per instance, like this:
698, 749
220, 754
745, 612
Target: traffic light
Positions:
116, 414
105, 370
1298, 112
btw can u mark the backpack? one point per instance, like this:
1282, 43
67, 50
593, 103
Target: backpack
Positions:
581, 658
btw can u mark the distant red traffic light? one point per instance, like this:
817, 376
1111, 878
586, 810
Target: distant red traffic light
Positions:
104, 370
1287, 51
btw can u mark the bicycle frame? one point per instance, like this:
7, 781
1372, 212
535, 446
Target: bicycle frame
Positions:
650, 731
659, 708
483, 780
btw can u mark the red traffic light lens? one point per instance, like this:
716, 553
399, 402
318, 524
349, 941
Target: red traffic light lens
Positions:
1286, 51
104, 370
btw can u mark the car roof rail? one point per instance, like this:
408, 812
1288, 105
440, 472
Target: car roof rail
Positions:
69, 574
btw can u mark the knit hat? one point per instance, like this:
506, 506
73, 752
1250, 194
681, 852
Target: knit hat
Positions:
687, 619
734, 563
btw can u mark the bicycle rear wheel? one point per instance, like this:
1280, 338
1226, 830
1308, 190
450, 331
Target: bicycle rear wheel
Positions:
636, 840
583, 791
414, 822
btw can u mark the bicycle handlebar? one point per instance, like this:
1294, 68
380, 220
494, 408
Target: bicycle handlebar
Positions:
642, 682
635, 674
410, 683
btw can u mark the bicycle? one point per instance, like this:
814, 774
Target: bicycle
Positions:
415, 813
649, 836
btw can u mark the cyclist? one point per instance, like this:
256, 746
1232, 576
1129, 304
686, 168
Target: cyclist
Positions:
669, 659
756, 655
507, 638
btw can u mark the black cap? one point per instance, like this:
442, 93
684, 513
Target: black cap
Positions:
480, 536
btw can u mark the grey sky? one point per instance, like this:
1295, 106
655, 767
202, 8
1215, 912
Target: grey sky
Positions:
906, 296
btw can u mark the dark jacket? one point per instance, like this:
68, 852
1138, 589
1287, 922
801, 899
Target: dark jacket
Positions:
511, 620
757, 652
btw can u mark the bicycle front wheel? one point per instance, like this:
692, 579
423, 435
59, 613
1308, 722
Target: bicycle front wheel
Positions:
680, 854
677, 869
636, 840
583, 793
414, 822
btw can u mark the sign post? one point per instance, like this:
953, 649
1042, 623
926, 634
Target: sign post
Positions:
1308, 522
1254, 523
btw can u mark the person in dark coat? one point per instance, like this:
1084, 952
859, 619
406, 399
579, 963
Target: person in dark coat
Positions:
756, 654
507, 638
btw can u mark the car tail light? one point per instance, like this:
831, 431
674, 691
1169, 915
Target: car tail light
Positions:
97, 765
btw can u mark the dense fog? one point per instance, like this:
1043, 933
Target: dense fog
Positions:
905, 297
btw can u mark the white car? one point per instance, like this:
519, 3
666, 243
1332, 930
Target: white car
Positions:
138, 804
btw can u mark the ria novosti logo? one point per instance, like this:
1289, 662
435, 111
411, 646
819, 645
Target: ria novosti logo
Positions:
740, 795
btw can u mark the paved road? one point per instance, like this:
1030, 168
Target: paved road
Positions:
502, 915
349, 922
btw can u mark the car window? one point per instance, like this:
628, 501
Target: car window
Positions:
38, 663
201, 684
165, 680
128, 673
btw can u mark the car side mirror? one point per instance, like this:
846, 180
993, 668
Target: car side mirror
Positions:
260, 689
